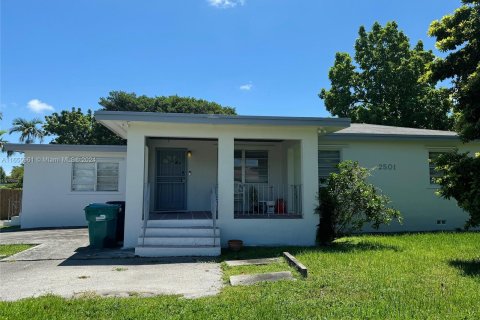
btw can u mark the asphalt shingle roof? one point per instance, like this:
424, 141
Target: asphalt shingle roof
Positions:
374, 131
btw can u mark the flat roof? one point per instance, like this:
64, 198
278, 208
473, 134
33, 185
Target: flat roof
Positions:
20, 147
117, 121
219, 119
374, 132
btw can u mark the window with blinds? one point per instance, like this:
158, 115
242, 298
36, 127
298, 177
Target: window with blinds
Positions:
95, 176
251, 166
327, 163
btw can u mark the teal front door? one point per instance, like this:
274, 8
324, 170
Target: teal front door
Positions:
171, 180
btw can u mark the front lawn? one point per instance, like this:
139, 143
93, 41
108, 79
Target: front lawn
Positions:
11, 249
411, 276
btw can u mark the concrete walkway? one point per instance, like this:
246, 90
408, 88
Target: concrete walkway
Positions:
62, 265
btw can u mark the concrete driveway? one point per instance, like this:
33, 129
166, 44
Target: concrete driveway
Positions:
62, 264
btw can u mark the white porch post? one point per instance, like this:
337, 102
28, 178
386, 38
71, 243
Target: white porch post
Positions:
309, 169
134, 188
225, 178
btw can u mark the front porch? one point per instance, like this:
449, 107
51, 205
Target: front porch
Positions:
263, 171
183, 191
185, 200
182, 177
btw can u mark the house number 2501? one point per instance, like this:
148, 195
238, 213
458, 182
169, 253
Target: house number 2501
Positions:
386, 166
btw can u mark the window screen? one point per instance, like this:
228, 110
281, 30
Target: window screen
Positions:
327, 163
95, 176
107, 176
83, 176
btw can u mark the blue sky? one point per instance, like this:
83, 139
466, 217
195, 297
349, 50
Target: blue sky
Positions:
264, 57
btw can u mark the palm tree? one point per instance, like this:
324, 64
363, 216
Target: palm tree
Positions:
2, 132
2, 142
28, 130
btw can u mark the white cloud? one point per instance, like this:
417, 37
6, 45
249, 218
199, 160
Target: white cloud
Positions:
38, 106
226, 3
246, 87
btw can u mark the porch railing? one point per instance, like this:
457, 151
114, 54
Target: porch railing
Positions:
213, 210
146, 209
258, 199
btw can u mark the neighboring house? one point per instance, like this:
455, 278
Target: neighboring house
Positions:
255, 178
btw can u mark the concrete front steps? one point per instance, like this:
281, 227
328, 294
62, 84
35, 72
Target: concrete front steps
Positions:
178, 238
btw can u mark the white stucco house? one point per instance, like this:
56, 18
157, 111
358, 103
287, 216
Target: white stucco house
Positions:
192, 182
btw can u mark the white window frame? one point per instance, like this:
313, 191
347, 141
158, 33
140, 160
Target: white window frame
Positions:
96, 177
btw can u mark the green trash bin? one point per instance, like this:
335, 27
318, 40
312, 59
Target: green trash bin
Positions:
102, 224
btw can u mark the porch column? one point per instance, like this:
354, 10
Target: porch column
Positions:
225, 177
134, 187
309, 173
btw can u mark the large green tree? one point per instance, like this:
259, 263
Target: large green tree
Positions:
123, 101
28, 130
76, 127
3, 176
2, 140
459, 35
387, 84
17, 174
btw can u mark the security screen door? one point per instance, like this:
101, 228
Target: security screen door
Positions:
171, 180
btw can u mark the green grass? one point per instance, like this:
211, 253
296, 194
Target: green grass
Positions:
411, 276
10, 249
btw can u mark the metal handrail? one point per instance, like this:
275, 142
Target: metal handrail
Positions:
213, 210
146, 209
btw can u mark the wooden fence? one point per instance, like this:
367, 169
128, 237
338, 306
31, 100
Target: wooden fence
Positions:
10, 203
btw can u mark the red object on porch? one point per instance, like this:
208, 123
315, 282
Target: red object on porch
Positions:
280, 206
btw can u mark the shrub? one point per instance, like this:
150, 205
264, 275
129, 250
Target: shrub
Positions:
347, 202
